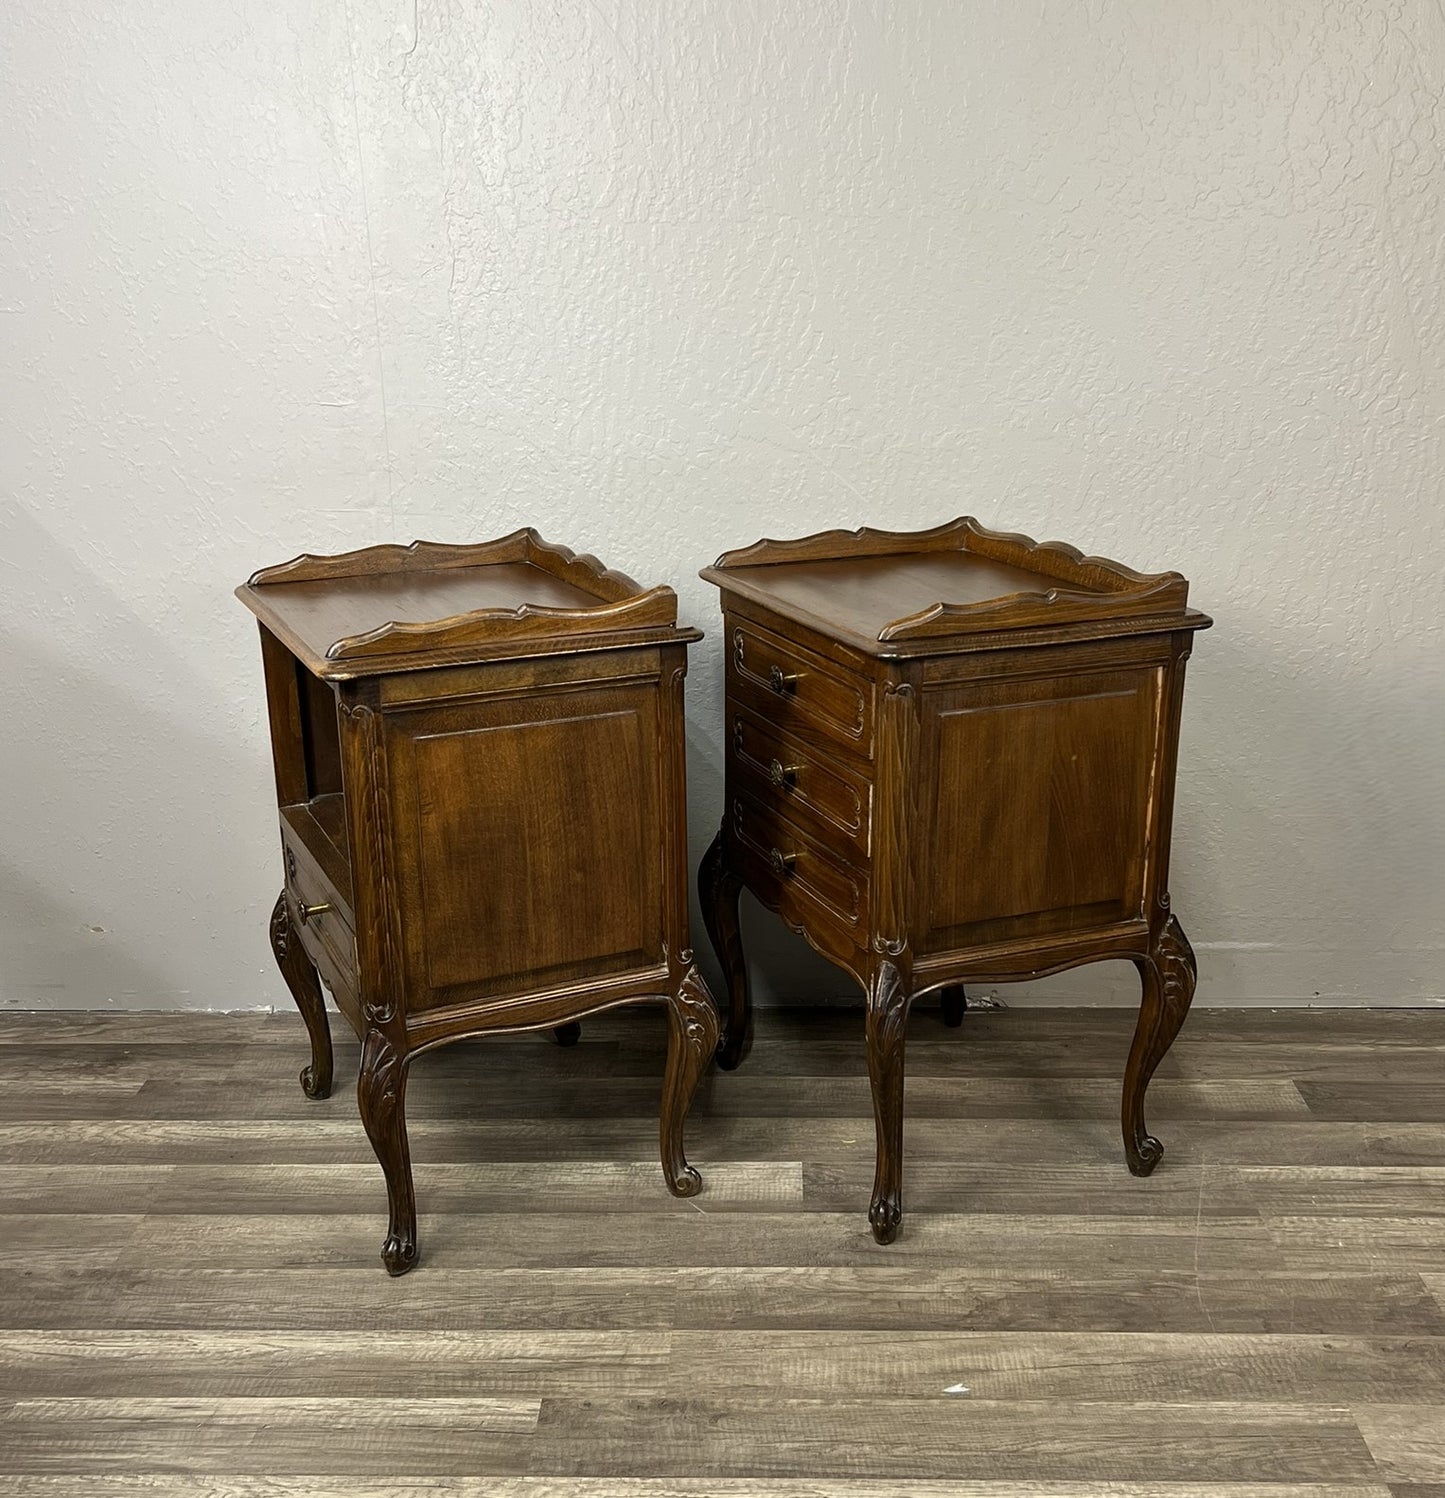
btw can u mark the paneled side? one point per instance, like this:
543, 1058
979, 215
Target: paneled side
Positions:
537, 841
1040, 804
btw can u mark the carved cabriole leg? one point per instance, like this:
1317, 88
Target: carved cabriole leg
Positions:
887, 1021
305, 988
381, 1097
692, 1038
1168, 975
719, 889
954, 1002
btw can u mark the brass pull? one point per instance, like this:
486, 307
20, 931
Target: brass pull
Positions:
306, 913
781, 681
783, 776
781, 863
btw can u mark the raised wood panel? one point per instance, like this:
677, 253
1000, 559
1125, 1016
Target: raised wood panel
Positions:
1039, 805
536, 826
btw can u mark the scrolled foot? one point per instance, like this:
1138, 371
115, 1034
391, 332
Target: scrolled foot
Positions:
885, 1217
687, 1182
314, 1086
1143, 1155
398, 1255
569, 1034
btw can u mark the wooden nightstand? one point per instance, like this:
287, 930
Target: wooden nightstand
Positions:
480, 773
950, 758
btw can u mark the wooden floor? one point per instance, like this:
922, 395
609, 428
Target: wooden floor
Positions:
192, 1303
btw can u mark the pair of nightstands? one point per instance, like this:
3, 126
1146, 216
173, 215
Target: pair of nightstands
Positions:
950, 758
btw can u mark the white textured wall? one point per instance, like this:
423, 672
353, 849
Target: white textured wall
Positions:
1163, 280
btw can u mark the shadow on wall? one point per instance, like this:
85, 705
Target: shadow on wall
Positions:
1328, 797
1312, 784
54, 958
124, 881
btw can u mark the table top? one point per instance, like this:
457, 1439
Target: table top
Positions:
897, 593
389, 608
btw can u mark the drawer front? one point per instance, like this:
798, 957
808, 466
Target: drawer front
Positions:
327, 934
783, 859
777, 769
799, 691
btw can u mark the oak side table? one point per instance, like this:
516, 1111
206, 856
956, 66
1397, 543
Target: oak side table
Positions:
480, 775
951, 758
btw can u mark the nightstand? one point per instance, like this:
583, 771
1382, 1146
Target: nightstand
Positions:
480, 775
951, 758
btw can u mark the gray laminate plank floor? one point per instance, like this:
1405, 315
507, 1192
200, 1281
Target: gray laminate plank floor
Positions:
191, 1300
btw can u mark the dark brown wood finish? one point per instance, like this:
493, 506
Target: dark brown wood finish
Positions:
394, 608
481, 782
720, 889
951, 758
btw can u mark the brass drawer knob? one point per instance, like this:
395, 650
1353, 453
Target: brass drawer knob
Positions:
781, 863
783, 776
306, 913
781, 681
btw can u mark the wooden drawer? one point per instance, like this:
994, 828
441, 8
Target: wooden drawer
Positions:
775, 851
799, 691
777, 769
328, 936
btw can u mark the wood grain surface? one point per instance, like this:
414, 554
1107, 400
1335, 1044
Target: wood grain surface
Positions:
189, 1301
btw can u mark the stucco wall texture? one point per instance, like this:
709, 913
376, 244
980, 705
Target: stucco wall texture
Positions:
1161, 280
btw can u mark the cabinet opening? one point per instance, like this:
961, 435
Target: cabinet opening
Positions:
320, 738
